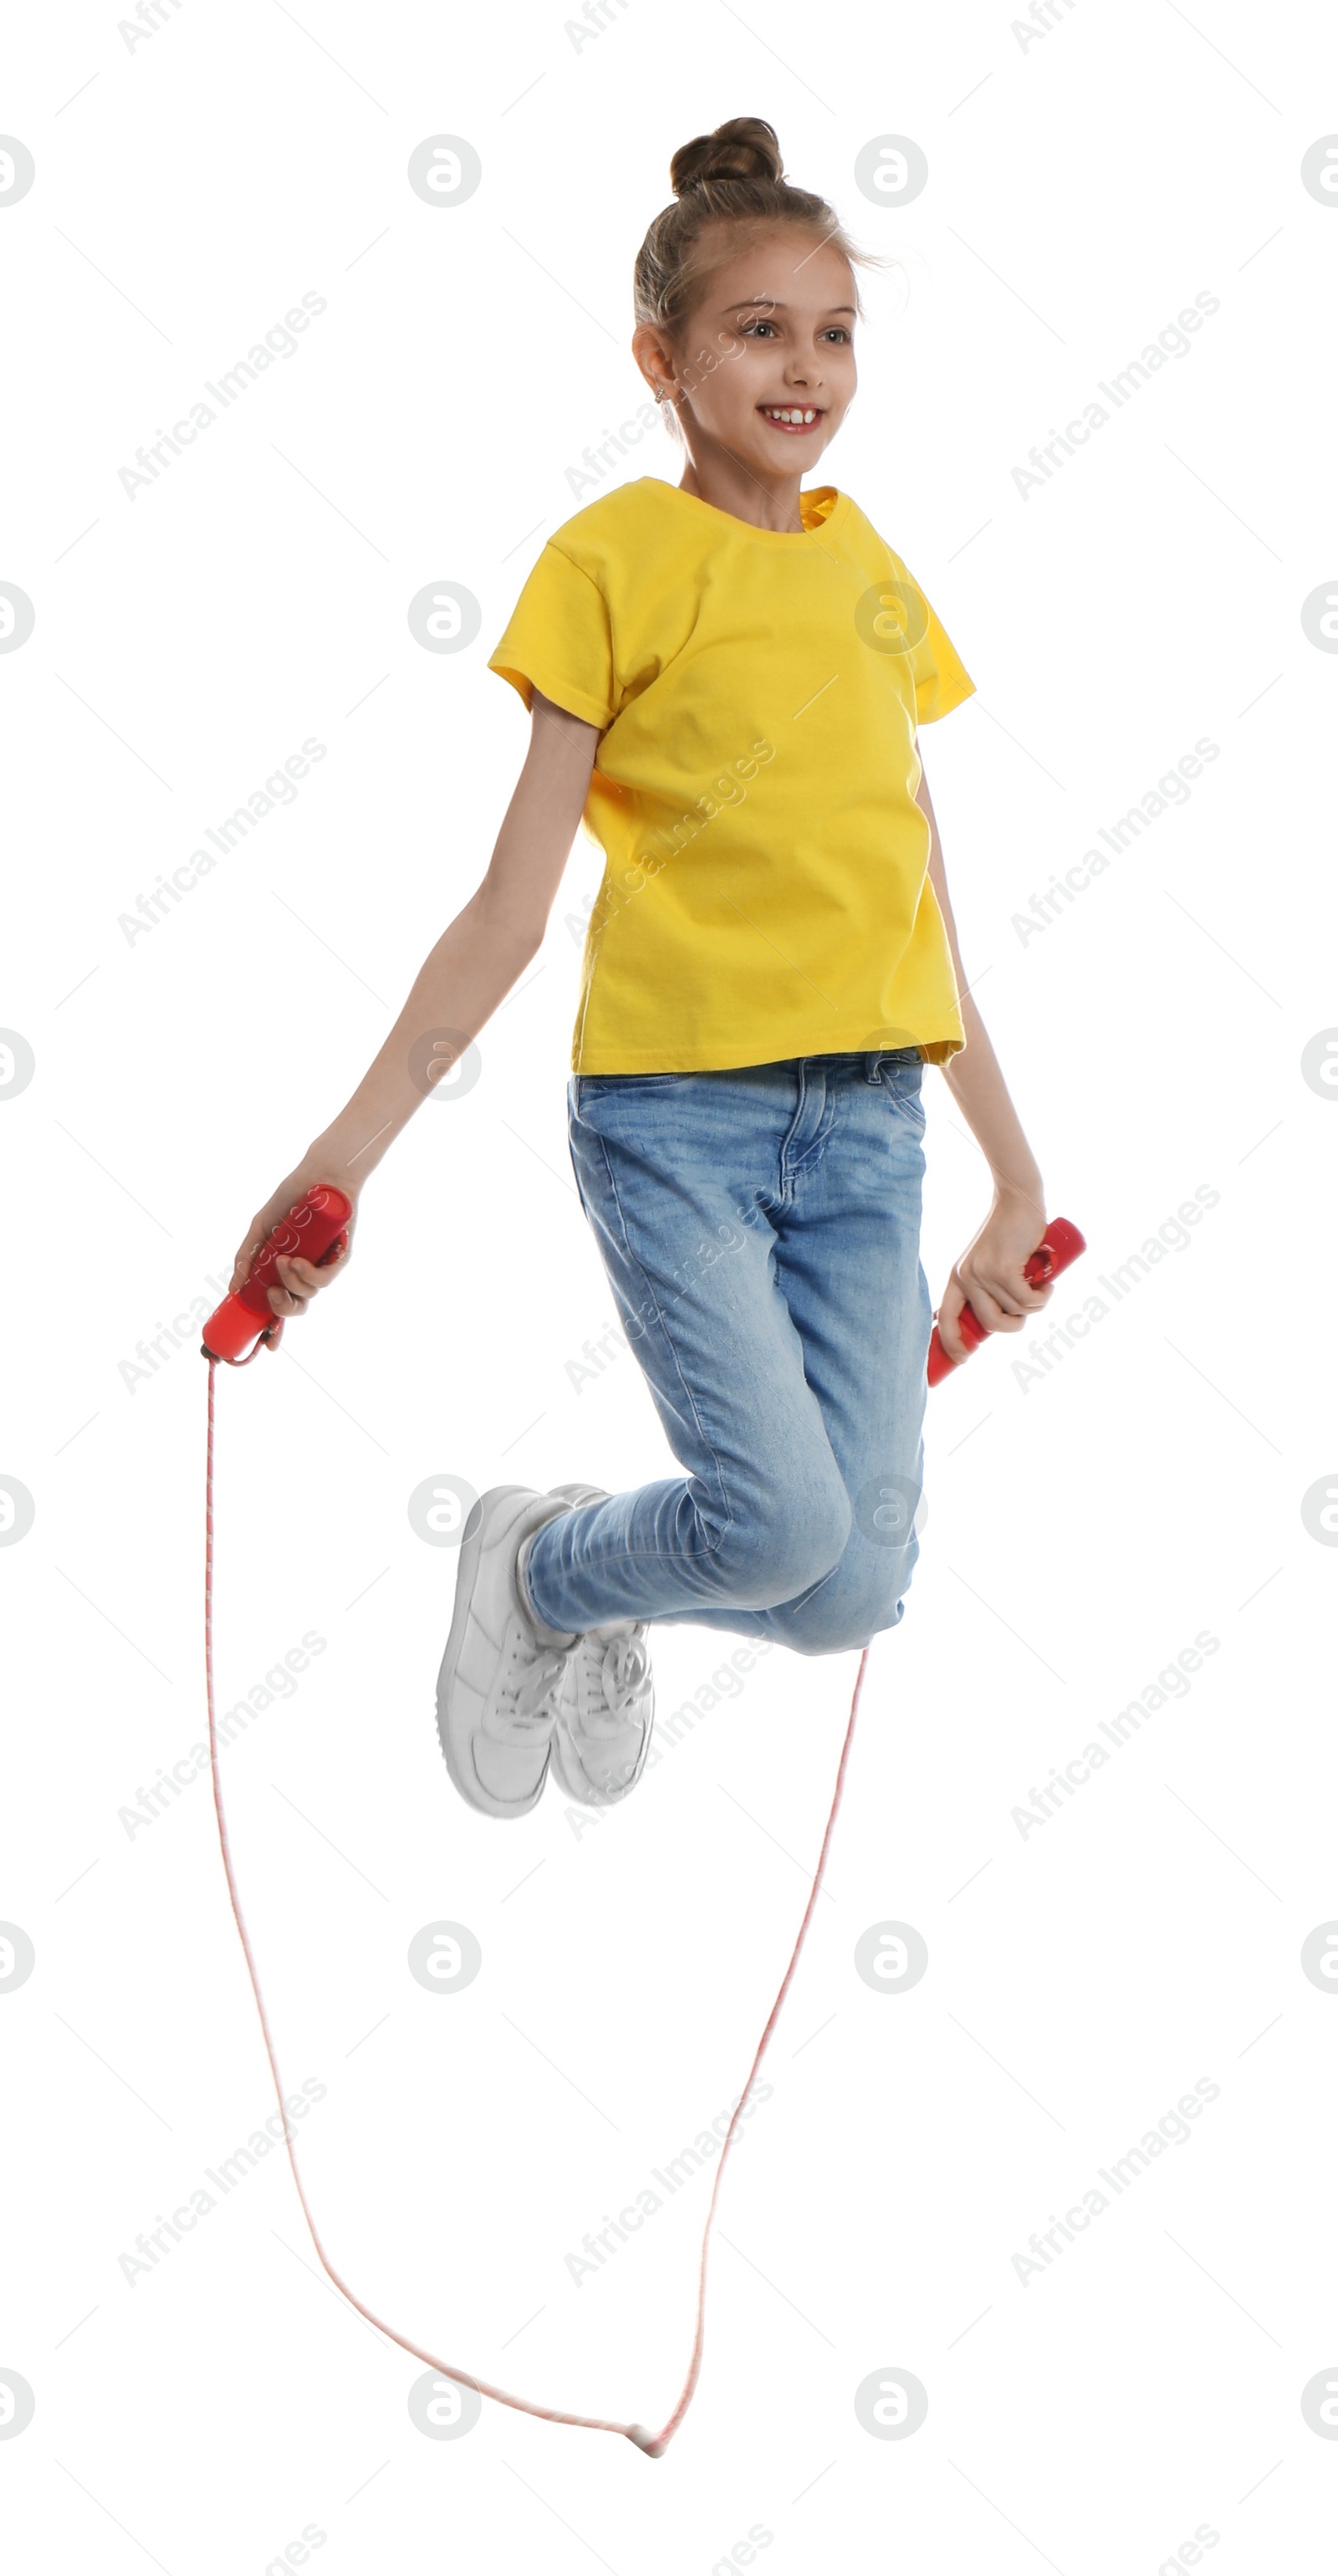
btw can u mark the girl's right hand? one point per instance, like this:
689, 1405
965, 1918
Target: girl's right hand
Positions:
301, 1279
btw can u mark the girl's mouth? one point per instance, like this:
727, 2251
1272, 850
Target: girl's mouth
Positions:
796, 419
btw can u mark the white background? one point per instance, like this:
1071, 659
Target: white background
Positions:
1083, 188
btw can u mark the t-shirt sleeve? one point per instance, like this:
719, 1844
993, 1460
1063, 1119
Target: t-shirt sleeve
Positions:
559, 641
941, 680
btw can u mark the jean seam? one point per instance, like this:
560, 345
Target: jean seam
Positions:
659, 1553
788, 1172
835, 1116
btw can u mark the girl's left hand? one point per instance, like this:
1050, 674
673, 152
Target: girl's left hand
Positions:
988, 1277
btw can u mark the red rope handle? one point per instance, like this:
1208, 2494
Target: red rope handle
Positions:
654, 2444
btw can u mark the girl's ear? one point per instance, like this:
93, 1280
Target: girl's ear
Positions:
655, 359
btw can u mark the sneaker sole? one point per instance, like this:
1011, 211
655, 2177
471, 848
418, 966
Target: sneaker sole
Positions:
457, 1725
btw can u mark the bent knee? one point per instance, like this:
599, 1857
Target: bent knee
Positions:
807, 1541
842, 1615
790, 1546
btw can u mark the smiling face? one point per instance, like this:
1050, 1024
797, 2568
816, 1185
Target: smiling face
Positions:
762, 370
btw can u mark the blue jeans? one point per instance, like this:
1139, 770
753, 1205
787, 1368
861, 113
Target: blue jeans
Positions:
761, 1232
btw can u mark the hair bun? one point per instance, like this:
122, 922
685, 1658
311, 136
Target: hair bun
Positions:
745, 147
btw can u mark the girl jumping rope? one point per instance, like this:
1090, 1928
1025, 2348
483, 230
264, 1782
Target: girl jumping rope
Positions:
724, 677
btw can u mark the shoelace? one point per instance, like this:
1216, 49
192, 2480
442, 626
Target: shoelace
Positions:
624, 1668
528, 1708
623, 1675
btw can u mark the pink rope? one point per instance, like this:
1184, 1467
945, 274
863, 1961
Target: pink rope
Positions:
653, 2444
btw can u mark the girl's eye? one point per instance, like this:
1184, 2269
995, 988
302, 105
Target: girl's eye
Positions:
837, 332
753, 328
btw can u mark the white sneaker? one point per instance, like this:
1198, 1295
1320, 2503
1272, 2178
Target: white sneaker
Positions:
607, 1706
501, 1679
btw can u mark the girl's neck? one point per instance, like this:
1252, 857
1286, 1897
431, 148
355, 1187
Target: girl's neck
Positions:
719, 478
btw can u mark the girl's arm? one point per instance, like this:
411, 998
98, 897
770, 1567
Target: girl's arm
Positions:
459, 986
989, 1274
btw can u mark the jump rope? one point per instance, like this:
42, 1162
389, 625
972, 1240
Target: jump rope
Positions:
233, 1334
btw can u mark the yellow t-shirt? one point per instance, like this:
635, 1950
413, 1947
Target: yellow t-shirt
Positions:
765, 892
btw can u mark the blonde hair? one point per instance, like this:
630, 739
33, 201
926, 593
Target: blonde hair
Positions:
732, 177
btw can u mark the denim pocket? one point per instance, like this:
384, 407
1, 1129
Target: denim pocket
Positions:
903, 1081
